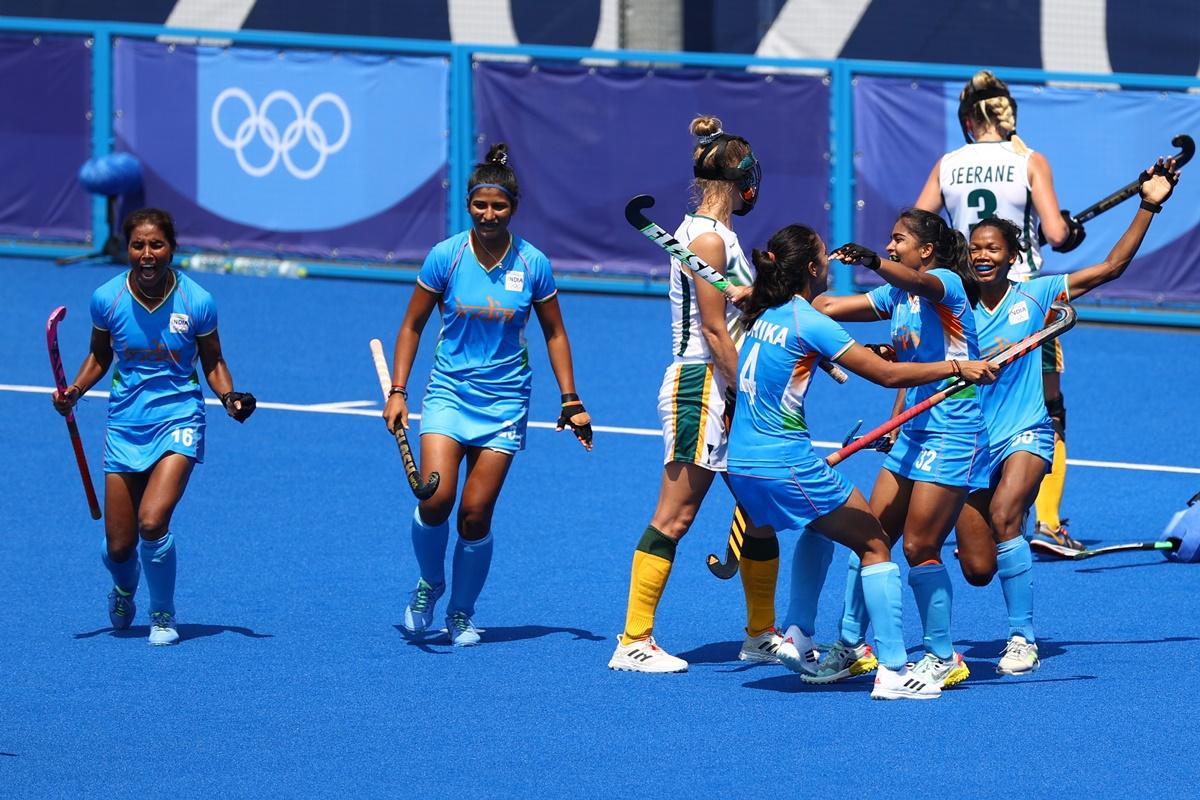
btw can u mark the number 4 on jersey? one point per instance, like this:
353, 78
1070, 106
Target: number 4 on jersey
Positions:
746, 376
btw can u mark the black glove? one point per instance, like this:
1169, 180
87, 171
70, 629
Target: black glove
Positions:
1075, 234
730, 404
239, 405
884, 351
856, 254
572, 407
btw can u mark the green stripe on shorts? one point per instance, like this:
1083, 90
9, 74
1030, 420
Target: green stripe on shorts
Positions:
689, 417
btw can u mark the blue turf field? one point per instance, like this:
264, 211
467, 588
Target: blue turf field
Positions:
293, 680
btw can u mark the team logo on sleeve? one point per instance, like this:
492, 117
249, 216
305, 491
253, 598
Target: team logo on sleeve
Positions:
514, 281
179, 323
1018, 313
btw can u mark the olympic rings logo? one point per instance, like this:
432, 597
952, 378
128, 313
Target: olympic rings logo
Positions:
257, 124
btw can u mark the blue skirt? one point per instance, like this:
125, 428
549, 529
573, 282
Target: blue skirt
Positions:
136, 447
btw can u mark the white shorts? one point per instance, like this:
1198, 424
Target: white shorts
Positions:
691, 408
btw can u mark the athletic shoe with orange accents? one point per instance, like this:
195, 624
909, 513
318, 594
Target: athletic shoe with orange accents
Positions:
644, 655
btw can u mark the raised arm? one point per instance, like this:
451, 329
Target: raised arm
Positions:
931, 199
912, 281
1155, 191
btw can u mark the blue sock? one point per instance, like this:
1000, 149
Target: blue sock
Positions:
471, 563
429, 544
935, 595
884, 600
1014, 562
810, 565
124, 573
854, 614
158, 559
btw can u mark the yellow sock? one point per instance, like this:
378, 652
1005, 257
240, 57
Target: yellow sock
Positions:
1050, 494
760, 573
651, 567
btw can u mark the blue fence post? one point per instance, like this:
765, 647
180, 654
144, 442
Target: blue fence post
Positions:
841, 123
462, 136
102, 127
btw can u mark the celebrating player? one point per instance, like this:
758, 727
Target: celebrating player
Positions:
924, 480
705, 330
1020, 433
773, 470
995, 174
156, 321
485, 281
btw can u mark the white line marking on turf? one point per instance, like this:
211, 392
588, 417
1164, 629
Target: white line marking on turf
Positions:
344, 408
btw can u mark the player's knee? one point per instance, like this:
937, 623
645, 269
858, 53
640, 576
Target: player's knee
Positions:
918, 552
153, 525
474, 523
434, 512
1006, 520
121, 553
978, 574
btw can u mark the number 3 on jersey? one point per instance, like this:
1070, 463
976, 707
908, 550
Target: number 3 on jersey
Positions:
984, 202
746, 376
924, 461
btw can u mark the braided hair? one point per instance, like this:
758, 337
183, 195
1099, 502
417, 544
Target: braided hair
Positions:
781, 270
950, 248
999, 111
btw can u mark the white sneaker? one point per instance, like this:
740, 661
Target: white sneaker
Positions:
798, 653
162, 628
903, 684
762, 648
418, 615
1020, 657
944, 672
843, 661
461, 630
644, 656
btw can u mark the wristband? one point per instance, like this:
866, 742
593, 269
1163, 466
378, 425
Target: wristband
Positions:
77, 388
569, 397
954, 365
398, 389
1153, 208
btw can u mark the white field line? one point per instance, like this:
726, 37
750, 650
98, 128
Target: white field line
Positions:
350, 408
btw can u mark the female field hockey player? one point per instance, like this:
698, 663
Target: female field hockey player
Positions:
773, 470
155, 322
705, 330
938, 454
995, 174
484, 282
1019, 431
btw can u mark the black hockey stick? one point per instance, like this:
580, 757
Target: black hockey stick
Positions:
1187, 148
423, 491
659, 235
1071, 554
733, 547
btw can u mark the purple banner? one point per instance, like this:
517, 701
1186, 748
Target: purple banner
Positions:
309, 153
902, 128
45, 136
584, 140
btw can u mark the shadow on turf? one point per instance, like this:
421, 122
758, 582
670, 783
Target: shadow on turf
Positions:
187, 630
989, 651
516, 633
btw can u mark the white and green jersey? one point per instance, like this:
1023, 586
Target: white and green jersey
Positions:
687, 340
990, 179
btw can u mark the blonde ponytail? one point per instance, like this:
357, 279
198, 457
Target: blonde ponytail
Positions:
994, 111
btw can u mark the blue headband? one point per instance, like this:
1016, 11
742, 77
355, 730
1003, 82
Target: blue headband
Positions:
477, 186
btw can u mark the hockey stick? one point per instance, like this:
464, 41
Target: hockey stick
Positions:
657, 234
60, 383
733, 547
1070, 554
423, 491
1187, 148
1064, 321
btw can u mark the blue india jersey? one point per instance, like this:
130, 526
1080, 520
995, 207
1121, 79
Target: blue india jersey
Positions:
484, 313
924, 330
154, 348
1016, 401
775, 367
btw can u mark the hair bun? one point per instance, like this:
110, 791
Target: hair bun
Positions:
704, 126
497, 154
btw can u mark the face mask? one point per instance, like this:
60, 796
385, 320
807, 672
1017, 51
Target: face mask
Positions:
747, 174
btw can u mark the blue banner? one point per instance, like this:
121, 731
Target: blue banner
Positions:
1096, 142
45, 109
584, 140
317, 153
